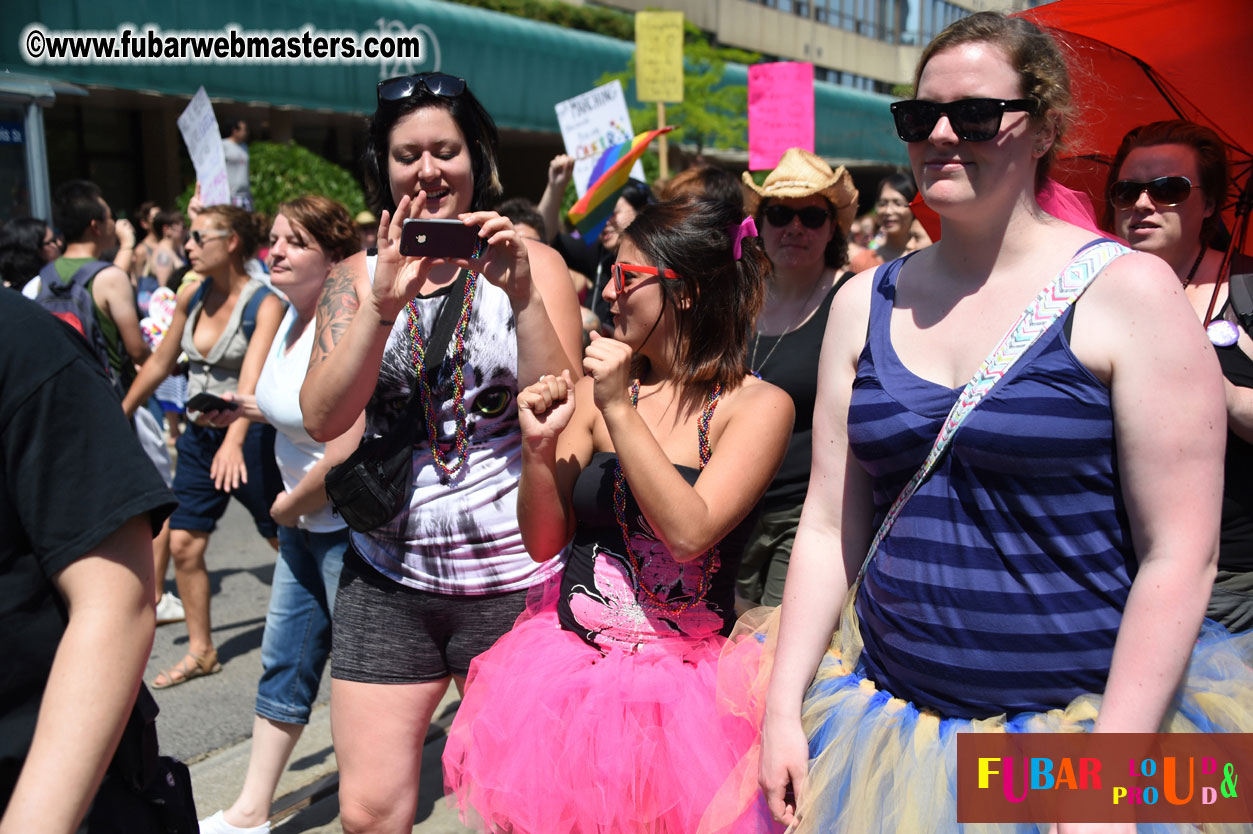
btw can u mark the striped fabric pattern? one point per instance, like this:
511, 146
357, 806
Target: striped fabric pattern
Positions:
1001, 586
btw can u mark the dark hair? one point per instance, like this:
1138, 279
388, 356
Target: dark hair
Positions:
476, 126
164, 219
21, 250
74, 205
1211, 157
835, 255
704, 180
695, 236
1034, 55
141, 213
251, 228
327, 221
637, 194
522, 210
901, 183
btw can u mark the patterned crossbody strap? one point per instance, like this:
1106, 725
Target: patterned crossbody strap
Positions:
1048, 306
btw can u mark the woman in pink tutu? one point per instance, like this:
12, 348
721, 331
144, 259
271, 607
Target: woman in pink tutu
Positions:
596, 712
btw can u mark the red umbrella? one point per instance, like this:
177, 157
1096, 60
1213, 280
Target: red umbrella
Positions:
1139, 61
1148, 60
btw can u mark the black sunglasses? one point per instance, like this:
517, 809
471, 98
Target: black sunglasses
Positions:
972, 119
435, 83
811, 217
1165, 191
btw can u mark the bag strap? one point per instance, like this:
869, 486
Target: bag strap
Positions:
199, 295
1240, 290
441, 334
50, 280
86, 273
1053, 301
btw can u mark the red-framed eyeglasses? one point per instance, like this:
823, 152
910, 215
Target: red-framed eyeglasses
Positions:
623, 285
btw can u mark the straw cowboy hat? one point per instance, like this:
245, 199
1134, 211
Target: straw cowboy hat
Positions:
800, 174
366, 218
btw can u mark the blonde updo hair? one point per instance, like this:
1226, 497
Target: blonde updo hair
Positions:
1034, 55
251, 229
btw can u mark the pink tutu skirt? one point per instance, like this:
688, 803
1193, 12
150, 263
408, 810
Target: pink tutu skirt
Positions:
556, 737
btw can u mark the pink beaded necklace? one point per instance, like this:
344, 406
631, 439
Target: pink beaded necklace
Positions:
619, 507
429, 411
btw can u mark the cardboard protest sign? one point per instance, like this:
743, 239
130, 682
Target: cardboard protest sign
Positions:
591, 123
659, 56
780, 111
204, 142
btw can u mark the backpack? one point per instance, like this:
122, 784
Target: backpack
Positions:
72, 303
1240, 291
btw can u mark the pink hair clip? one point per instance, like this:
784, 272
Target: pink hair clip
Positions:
747, 228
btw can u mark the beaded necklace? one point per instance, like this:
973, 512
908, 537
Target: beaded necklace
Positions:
619, 507
1192, 271
796, 324
418, 349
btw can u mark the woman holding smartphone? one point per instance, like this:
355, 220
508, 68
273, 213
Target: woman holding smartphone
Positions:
425, 592
225, 324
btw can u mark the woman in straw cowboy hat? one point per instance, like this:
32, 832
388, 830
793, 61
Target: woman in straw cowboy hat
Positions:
804, 210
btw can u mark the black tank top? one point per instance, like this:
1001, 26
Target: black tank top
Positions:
1235, 548
793, 366
601, 596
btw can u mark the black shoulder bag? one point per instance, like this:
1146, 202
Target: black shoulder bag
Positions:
1240, 291
374, 484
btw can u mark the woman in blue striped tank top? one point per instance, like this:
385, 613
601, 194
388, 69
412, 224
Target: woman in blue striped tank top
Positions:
1052, 571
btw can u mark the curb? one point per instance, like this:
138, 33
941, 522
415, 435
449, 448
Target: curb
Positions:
312, 774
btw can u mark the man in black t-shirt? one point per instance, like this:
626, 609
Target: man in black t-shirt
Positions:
79, 503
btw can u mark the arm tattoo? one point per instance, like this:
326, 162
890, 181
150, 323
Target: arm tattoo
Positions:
336, 308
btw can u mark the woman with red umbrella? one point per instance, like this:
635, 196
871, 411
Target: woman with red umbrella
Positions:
1166, 189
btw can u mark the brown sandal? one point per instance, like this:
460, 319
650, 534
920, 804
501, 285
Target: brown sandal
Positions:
200, 666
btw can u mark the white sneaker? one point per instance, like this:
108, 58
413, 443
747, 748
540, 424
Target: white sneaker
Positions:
217, 824
170, 610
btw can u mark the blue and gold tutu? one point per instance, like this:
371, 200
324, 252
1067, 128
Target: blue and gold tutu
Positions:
880, 765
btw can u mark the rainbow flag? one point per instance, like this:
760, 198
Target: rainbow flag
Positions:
609, 177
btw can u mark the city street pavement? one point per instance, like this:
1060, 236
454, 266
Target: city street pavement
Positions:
207, 722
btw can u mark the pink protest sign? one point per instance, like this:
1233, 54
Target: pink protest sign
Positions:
780, 111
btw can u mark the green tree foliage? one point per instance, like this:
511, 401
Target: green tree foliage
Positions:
596, 19
712, 114
283, 172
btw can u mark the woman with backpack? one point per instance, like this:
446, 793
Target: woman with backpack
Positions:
225, 324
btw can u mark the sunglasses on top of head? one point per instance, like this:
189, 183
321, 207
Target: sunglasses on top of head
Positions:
1164, 191
436, 83
972, 119
812, 217
622, 284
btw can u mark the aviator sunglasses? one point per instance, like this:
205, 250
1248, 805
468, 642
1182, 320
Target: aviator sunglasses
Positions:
972, 119
811, 217
621, 284
435, 83
1165, 191
201, 238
